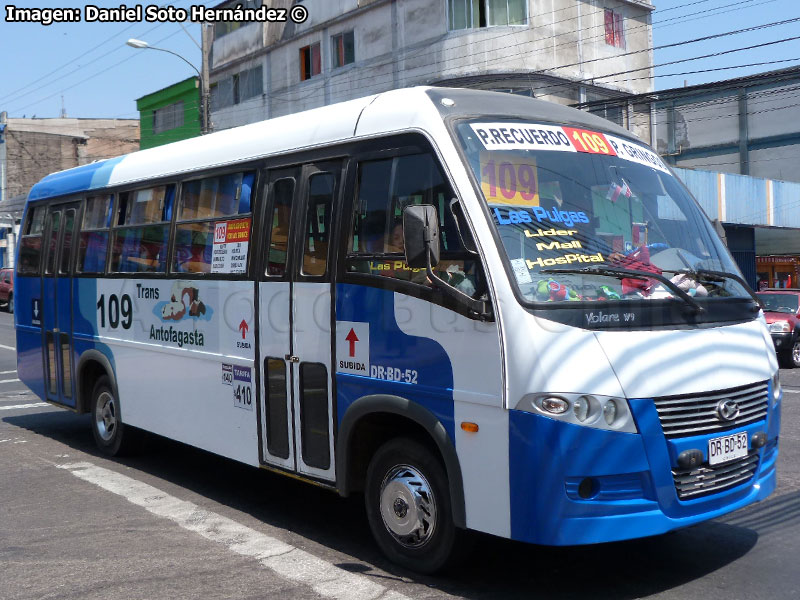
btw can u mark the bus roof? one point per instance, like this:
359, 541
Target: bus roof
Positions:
396, 110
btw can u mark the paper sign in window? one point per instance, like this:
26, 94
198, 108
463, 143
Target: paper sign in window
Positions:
507, 178
231, 244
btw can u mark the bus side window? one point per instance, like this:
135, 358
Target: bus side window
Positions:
321, 190
93, 241
281, 207
55, 224
30, 246
385, 188
66, 244
140, 239
205, 224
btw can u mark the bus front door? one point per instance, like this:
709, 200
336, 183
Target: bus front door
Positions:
295, 320
55, 307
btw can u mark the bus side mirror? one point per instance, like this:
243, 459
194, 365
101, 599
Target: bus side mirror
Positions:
421, 236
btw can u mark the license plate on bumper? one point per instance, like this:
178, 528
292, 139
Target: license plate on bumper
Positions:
730, 447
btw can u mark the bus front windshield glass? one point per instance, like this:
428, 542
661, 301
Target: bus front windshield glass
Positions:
586, 216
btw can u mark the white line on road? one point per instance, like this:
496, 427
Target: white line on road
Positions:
7, 372
284, 559
791, 391
16, 406
4, 347
8, 380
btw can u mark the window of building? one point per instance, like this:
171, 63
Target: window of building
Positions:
237, 88
93, 241
469, 14
343, 49
527, 92
140, 238
168, 117
211, 236
615, 31
310, 61
377, 245
222, 28
250, 83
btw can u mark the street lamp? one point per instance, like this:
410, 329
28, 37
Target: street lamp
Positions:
141, 45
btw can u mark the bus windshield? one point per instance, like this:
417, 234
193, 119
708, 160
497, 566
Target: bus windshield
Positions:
587, 216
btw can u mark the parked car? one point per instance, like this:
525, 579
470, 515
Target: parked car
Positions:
782, 310
7, 289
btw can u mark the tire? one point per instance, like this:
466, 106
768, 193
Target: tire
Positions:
793, 356
10, 306
111, 435
408, 507
790, 359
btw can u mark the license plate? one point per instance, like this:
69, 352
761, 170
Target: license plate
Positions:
727, 448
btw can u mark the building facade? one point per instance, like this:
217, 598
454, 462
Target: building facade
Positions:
37, 147
747, 126
565, 51
170, 114
760, 218
33, 148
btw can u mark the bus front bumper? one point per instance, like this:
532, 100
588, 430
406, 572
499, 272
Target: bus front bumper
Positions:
575, 485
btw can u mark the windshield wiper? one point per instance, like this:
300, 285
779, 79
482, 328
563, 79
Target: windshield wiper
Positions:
720, 276
633, 274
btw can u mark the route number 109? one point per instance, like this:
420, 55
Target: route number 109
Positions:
119, 310
507, 182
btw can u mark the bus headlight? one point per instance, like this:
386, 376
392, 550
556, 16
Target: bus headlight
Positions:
554, 405
610, 412
587, 410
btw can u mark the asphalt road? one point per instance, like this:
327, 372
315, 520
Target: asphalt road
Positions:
176, 522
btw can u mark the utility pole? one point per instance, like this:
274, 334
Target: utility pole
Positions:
205, 85
3, 174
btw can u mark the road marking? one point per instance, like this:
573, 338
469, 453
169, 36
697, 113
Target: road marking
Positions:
791, 391
8, 347
7, 372
284, 559
16, 406
8, 380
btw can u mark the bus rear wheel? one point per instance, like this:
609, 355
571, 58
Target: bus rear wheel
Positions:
110, 433
408, 506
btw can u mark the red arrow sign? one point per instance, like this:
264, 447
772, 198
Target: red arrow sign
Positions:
352, 338
243, 327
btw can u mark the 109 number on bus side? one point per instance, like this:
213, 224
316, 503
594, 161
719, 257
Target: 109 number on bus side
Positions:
118, 310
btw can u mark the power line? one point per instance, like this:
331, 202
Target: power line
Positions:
549, 25
290, 94
13, 95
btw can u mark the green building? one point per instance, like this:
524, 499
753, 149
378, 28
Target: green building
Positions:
170, 114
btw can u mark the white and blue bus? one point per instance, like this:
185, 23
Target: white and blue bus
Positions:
483, 312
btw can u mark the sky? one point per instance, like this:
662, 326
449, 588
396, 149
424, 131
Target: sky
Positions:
89, 68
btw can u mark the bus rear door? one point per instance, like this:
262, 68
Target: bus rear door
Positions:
295, 319
56, 303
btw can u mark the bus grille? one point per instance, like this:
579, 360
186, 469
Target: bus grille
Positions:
696, 414
693, 483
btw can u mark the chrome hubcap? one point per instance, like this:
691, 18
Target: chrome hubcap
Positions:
105, 416
796, 353
407, 506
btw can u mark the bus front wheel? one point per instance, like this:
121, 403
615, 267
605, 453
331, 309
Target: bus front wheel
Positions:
110, 433
408, 506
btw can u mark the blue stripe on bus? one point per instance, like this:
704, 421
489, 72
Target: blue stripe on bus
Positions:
79, 179
29, 336
389, 346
